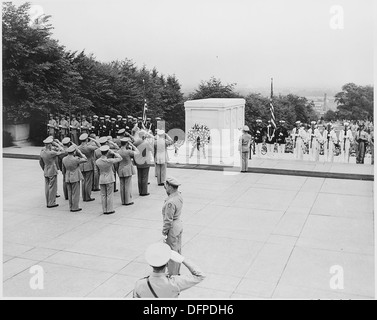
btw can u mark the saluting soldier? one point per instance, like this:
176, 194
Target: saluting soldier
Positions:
362, 140
298, 136
87, 167
161, 143
64, 127
75, 126
314, 137
345, 138
107, 126
73, 176
97, 154
127, 152
66, 142
95, 126
161, 285
258, 137
48, 163
172, 228
106, 177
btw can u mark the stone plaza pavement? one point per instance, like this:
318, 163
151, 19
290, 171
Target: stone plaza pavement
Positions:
256, 236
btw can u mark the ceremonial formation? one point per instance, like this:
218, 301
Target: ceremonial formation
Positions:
340, 139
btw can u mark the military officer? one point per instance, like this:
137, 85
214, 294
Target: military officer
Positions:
66, 142
51, 126
172, 228
127, 152
258, 137
298, 136
345, 138
362, 140
161, 285
95, 126
106, 177
161, 143
64, 127
314, 137
119, 122
113, 128
244, 148
72, 175
97, 154
107, 126
75, 126
85, 125
87, 168
281, 137
48, 163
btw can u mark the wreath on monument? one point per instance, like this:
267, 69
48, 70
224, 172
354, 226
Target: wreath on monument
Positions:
200, 131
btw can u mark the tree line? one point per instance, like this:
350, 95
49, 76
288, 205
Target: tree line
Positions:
40, 77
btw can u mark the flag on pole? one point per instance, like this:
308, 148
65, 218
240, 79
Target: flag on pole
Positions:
145, 110
273, 122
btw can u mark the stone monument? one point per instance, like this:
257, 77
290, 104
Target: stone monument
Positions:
224, 117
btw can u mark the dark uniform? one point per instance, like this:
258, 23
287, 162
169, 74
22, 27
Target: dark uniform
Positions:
281, 137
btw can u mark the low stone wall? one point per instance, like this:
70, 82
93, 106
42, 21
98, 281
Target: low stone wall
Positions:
19, 132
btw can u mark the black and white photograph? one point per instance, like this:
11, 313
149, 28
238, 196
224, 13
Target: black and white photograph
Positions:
193, 150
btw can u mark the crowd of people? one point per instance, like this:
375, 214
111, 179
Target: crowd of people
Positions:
330, 139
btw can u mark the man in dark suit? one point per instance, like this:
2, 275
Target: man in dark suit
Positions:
281, 137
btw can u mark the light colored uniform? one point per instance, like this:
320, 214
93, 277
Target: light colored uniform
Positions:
87, 169
75, 125
244, 148
125, 175
166, 286
106, 181
345, 138
298, 137
331, 140
52, 127
72, 175
314, 138
64, 128
172, 227
85, 126
161, 158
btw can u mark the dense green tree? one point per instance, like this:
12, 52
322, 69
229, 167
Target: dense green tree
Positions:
330, 115
355, 102
213, 88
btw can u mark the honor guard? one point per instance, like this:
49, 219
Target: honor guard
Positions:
75, 125
362, 141
107, 126
119, 121
114, 128
85, 125
96, 126
345, 138
51, 126
244, 148
258, 137
161, 285
270, 138
298, 135
314, 137
281, 137
161, 143
64, 125
331, 140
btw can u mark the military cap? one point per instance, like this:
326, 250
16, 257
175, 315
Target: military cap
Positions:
139, 118
149, 119
101, 118
102, 140
121, 131
104, 148
173, 181
313, 122
124, 119
125, 139
298, 122
130, 117
246, 128
160, 132
66, 140
119, 116
258, 120
83, 137
107, 117
48, 140
346, 123
109, 138
282, 121
113, 119
95, 116
158, 118
71, 149
158, 254
142, 133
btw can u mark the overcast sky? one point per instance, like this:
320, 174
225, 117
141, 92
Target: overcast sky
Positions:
241, 41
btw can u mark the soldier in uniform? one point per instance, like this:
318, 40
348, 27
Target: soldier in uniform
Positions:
75, 126
143, 162
345, 138
48, 163
161, 155
51, 126
106, 177
172, 228
64, 125
107, 126
314, 137
244, 148
298, 135
362, 140
85, 125
270, 138
281, 137
119, 122
72, 176
127, 152
97, 154
258, 137
161, 285
87, 168
113, 128
95, 126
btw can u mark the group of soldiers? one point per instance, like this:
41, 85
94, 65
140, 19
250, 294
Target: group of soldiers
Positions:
73, 126
329, 138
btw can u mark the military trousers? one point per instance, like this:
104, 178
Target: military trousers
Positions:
107, 197
73, 194
87, 185
142, 180
244, 161
65, 189
125, 189
95, 179
51, 187
174, 240
360, 155
161, 172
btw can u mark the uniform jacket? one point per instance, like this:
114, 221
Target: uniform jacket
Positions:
160, 151
48, 162
105, 168
171, 211
244, 142
258, 134
281, 135
88, 151
143, 158
125, 166
71, 168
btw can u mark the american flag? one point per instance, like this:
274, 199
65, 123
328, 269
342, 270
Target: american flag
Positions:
145, 110
272, 106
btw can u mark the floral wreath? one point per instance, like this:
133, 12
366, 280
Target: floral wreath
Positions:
199, 130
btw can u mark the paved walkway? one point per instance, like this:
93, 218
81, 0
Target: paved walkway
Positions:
256, 236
